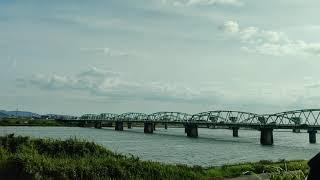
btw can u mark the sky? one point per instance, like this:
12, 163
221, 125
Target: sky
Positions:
80, 56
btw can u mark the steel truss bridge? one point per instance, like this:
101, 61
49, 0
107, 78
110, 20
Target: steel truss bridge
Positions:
307, 119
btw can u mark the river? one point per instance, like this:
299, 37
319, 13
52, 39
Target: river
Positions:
212, 147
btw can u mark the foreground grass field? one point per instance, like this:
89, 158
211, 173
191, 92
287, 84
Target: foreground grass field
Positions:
28, 158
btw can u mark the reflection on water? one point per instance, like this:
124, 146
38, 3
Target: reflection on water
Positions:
213, 147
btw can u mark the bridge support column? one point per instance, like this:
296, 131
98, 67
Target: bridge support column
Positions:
191, 130
119, 126
235, 131
98, 125
148, 127
297, 122
81, 124
109, 124
165, 126
312, 136
266, 137
129, 125
154, 126
296, 130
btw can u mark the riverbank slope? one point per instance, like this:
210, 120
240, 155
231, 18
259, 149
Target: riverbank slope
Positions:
24, 157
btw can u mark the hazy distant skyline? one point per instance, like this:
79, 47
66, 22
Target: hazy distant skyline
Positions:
80, 56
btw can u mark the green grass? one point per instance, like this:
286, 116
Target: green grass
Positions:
274, 168
284, 175
28, 158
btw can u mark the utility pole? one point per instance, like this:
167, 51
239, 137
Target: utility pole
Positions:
17, 111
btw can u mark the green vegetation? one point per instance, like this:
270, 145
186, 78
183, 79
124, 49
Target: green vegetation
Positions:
277, 170
75, 159
31, 122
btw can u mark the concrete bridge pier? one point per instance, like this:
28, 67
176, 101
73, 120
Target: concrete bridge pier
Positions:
312, 136
154, 126
191, 130
98, 125
83, 124
108, 124
148, 127
266, 137
165, 126
297, 122
129, 125
235, 131
119, 126
296, 130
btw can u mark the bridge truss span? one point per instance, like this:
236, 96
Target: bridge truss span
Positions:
169, 117
107, 116
225, 117
303, 117
131, 116
89, 117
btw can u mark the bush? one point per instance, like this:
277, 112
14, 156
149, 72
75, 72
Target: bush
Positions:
75, 159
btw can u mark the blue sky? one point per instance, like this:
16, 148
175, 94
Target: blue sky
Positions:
80, 56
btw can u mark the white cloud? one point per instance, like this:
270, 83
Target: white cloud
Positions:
107, 51
185, 3
96, 72
269, 42
231, 27
313, 85
111, 85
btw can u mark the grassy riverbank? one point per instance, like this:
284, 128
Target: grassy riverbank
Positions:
76, 159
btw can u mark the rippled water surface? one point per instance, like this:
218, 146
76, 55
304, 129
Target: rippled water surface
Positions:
213, 147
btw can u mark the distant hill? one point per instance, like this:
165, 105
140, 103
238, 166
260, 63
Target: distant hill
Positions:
19, 113
2, 115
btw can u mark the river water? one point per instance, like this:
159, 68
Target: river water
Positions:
213, 147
